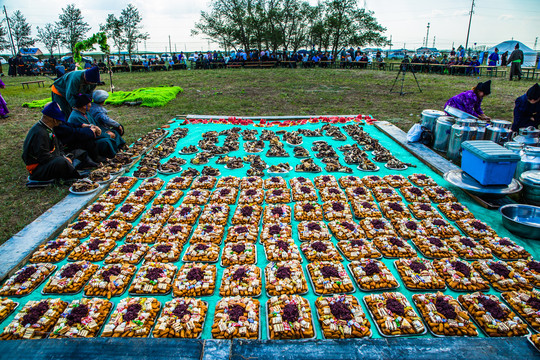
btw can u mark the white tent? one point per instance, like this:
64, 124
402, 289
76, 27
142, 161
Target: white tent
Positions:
529, 55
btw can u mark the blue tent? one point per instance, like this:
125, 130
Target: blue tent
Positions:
30, 51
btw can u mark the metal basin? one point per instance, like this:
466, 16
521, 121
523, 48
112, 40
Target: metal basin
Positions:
522, 220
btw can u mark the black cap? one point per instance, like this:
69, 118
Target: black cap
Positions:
81, 100
534, 92
484, 87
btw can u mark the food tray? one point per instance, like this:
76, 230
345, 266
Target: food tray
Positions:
301, 260
147, 177
372, 291
518, 314
199, 261
374, 322
302, 293
322, 332
60, 294
98, 333
531, 342
330, 294
151, 335
83, 192
309, 172
421, 290
35, 287
391, 168
168, 172
268, 325
260, 327
346, 258
376, 169
437, 335
226, 266
188, 153
12, 311
128, 285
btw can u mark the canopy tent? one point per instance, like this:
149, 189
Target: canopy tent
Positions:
30, 51
529, 55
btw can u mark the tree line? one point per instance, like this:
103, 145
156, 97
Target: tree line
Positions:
125, 30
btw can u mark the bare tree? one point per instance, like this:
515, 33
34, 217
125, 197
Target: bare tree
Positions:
130, 21
21, 31
50, 36
114, 30
72, 26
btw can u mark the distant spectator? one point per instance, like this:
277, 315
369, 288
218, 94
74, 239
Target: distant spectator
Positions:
3, 106
516, 59
504, 59
494, 58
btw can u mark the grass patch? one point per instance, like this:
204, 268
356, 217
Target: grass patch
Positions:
234, 92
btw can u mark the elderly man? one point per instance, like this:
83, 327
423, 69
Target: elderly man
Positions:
66, 88
527, 109
41, 151
100, 115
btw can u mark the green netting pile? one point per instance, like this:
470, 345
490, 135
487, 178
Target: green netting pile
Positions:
150, 97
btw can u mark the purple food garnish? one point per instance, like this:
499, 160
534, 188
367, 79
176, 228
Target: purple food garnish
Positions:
94, 244
112, 271
395, 306
274, 179
478, 225
122, 179
181, 310
445, 308
328, 271
290, 312
225, 192
126, 208
241, 229
274, 229
235, 312
70, 270
168, 193
492, 307
185, 211
341, 311
505, 242
395, 206
282, 245
301, 179
156, 210
415, 191
25, 274
112, 193
283, 272
411, 225
439, 222
313, 226
97, 208
195, 193
277, 192
77, 314
347, 225
440, 191
139, 193
325, 178
534, 303
251, 192
319, 246
132, 312
128, 248
239, 274
396, 242
467, 242
378, 224
357, 243
308, 207
387, 191
499, 269
35, 313
371, 269
425, 207
163, 248
461, 267
457, 207
55, 244
534, 265
334, 190
417, 266
337, 206
112, 224
247, 211
238, 248
305, 189
277, 211
195, 273
201, 247
80, 225
435, 241
154, 273
359, 191
143, 229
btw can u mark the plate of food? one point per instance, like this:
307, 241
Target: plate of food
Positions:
84, 187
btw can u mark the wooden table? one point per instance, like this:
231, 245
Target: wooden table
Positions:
39, 82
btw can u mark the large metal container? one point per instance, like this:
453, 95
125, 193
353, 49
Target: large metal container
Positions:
462, 130
528, 136
530, 160
499, 131
442, 132
429, 118
514, 146
531, 186
481, 129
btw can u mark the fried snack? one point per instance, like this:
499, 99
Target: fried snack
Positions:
439, 227
114, 195
95, 249
206, 233
158, 214
247, 214
320, 250
419, 274
35, 320
337, 210
393, 247
414, 194
179, 183
493, 317
232, 182
197, 197
236, 317
224, 195
350, 181
97, 211
385, 193
423, 211
304, 193
505, 249
248, 233
300, 181
195, 279
526, 304
242, 280
276, 196
460, 275
323, 181
289, 317
153, 278
396, 181
123, 182
455, 211
443, 315
307, 210
78, 229
127, 254
251, 182
181, 318
54, 250
122, 324
433, 247
358, 249
469, 249
170, 197
26, 279
332, 193
329, 277
501, 275
215, 213
313, 230
202, 252
377, 227
394, 314
285, 277
529, 269
371, 275
7, 306
141, 196
144, 233
439, 194
372, 181
358, 193
409, 228
476, 228
82, 318
251, 196
394, 210
128, 212
204, 182
175, 233
71, 278
185, 214
152, 184
342, 317
422, 180
275, 231
164, 252
275, 182
239, 253
283, 249
365, 209
112, 229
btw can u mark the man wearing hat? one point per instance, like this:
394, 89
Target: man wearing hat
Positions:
527, 109
66, 88
41, 151
102, 147
470, 101
516, 59
99, 113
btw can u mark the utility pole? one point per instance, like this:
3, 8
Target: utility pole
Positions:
427, 35
535, 42
390, 42
170, 47
11, 36
434, 41
469, 29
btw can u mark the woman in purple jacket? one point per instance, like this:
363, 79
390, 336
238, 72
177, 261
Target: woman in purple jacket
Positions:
470, 101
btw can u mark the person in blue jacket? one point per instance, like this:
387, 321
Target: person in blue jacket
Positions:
113, 128
527, 109
66, 88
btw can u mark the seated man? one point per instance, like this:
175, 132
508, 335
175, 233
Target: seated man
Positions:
99, 113
527, 109
41, 151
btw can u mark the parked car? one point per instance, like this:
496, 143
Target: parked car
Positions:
397, 55
166, 57
70, 59
29, 58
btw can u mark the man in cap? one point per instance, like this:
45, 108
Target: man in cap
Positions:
66, 88
527, 109
99, 113
470, 101
41, 151
516, 59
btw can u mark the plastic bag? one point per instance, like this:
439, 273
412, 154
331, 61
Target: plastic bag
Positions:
414, 133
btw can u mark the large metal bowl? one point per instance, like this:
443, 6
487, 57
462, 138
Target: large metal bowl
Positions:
522, 220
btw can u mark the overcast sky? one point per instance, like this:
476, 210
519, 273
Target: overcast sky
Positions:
493, 21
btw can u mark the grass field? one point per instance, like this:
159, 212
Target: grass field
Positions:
233, 92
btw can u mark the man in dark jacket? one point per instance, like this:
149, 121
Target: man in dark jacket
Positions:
65, 89
41, 150
516, 59
527, 109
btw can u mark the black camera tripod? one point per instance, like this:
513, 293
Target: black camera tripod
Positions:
404, 67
